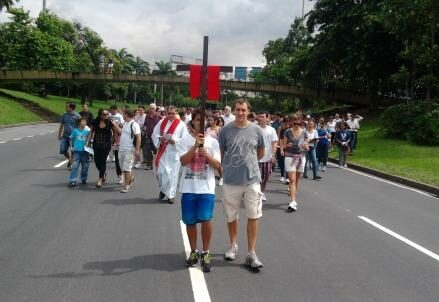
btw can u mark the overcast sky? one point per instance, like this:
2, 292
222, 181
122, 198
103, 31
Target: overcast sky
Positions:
156, 29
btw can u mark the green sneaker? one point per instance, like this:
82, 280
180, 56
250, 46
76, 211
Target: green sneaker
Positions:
206, 264
193, 258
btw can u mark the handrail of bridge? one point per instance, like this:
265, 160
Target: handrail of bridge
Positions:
37, 75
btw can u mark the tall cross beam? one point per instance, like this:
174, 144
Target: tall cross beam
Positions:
203, 93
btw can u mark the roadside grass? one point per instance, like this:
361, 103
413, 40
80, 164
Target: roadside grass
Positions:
14, 113
57, 104
394, 156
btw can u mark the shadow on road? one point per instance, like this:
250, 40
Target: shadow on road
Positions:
134, 201
157, 262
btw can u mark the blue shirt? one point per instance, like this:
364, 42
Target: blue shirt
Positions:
343, 135
323, 140
79, 138
70, 122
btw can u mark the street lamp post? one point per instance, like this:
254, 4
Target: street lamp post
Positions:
44, 6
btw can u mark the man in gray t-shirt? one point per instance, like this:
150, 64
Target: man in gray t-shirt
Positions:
242, 146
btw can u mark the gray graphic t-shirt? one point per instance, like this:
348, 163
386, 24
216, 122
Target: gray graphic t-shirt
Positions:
240, 160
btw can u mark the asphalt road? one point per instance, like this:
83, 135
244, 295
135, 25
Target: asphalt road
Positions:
86, 244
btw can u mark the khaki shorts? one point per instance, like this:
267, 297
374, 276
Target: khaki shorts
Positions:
295, 164
126, 160
251, 195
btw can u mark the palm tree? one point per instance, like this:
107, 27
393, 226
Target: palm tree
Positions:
141, 67
126, 60
163, 69
6, 4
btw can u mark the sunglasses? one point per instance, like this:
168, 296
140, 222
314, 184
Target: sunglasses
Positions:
104, 114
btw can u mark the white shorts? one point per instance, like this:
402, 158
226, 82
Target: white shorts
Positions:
233, 195
295, 164
126, 160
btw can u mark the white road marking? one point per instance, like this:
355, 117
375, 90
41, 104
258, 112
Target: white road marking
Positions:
4, 142
403, 239
30, 136
61, 163
199, 286
17, 139
383, 180
42, 133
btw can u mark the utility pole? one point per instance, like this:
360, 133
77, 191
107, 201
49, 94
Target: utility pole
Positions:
303, 9
44, 6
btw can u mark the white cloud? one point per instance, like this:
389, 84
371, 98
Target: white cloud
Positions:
156, 29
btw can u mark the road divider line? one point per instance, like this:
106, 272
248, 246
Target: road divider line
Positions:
402, 238
4, 142
61, 163
383, 180
30, 136
199, 286
17, 139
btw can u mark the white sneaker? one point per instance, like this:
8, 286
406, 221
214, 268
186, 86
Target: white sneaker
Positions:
324, 169
108, 159
282, 179
264, 198
345, 165
220, 182
293, 205
288, 180
137, 166
231, 253
119, 180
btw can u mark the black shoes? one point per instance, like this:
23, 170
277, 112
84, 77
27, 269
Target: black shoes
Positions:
161, 195
171, 200
317, 177
206, 264
193, 258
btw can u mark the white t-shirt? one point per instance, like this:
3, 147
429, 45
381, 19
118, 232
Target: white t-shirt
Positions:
331, 126
126, 140
118, 118
198, 177
228, 119
312, 135
270, 136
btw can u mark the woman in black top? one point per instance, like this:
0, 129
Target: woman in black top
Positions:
101, 133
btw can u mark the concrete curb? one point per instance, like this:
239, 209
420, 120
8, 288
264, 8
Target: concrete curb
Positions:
397, 179
23, 124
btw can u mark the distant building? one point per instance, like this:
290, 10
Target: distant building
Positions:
241, 73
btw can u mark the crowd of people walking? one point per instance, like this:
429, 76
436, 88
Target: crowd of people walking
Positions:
237, 150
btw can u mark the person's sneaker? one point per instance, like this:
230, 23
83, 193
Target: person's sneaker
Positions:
72, 184
305, 176
324, 168
345, 165
137, 166
282, 179
317, 177
119, 180
292, 207
161, 195
171, 200
231, 253
253, 262
125, 189
193, 258
288, 181
148, 167
206, 264
264, 198
220, 182
84, 182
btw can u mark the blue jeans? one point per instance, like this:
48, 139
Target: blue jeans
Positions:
79, 157
311, 155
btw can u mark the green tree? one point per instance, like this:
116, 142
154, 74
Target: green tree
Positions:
6, 4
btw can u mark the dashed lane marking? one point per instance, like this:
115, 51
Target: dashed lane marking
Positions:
61, 163
402, 238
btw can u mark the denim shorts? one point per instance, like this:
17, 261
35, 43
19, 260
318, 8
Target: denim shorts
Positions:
64, 145
197, 208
